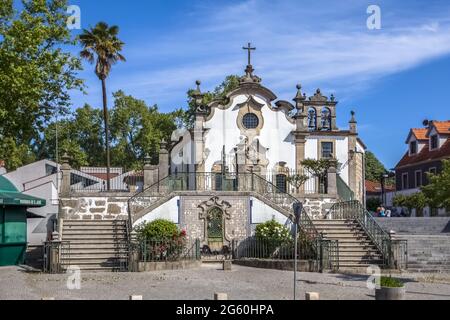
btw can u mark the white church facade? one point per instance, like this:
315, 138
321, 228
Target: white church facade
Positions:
239, 159
243, 163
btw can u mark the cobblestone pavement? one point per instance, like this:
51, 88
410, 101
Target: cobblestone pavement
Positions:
241, 283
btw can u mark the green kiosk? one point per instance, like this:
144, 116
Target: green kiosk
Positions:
13, 222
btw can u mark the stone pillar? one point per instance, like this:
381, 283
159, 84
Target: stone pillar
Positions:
150, 173
332, 182
65, 171
353, 157
164, 166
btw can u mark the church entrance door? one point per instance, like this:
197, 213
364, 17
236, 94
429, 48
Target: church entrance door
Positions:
215, 229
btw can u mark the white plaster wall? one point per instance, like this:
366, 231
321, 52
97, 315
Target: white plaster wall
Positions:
181, 155
341, 146
260, 213
222, 131
275, 135
167, 211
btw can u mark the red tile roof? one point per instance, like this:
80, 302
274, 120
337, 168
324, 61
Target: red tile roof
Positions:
421, 134
442, 127
426, 155
375, 187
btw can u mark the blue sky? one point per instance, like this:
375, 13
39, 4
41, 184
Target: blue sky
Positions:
394, 78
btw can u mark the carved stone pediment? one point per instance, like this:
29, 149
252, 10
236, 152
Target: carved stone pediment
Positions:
318, 97
214, 202
251, 103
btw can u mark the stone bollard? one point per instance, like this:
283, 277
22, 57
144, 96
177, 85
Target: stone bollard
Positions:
227, 265
312, 296
136, 298
220, 296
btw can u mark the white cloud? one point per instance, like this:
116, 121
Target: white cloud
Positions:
327, 46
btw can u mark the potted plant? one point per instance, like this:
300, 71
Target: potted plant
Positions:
390, 289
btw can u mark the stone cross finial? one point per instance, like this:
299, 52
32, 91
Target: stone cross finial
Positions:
353, 120
249, 48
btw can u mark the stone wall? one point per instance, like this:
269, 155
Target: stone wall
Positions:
318, 207
94, 207
237, 225
419, 226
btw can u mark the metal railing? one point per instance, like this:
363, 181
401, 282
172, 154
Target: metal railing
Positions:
324, 253
228, 182
343, 190
354, 210
167, 250
93, 180
214, 182
55, 255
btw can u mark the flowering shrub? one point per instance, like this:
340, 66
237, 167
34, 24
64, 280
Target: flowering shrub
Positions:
273, 231
161, 240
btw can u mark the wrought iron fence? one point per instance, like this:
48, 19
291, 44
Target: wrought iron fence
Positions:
324, 253
55, 255
343, 190
91, 180
166, 250
249, 182
242, 182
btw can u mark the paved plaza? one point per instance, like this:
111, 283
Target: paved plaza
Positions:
200, 284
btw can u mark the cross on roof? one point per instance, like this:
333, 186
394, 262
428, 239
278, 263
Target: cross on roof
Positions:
250, 49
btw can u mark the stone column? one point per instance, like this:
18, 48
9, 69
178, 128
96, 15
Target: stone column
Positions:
164, 165
150, 173
65, 171
332, 182
199, 152
301, 132
353, 178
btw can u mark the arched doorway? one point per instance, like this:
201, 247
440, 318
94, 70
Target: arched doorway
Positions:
215, 228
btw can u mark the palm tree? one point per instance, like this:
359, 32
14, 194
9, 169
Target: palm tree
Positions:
102, 46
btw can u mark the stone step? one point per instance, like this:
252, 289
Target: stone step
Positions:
98, 222
359, 254
100, 236
95, 241
89, 246
96, 256
93, 251
353, 241
107, 262
366, 261
93, 232
94, 227
98, 268
344, 235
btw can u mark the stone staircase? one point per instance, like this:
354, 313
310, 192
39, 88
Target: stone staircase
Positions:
428, 253
356, 250
95, 245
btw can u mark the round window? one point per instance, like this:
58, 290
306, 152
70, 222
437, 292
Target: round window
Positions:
250, 121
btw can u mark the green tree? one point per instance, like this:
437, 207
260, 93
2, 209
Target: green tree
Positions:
67, 142
438, 190
416, 201
374, 168
102, 46
137, 130
36, 74
79, 134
